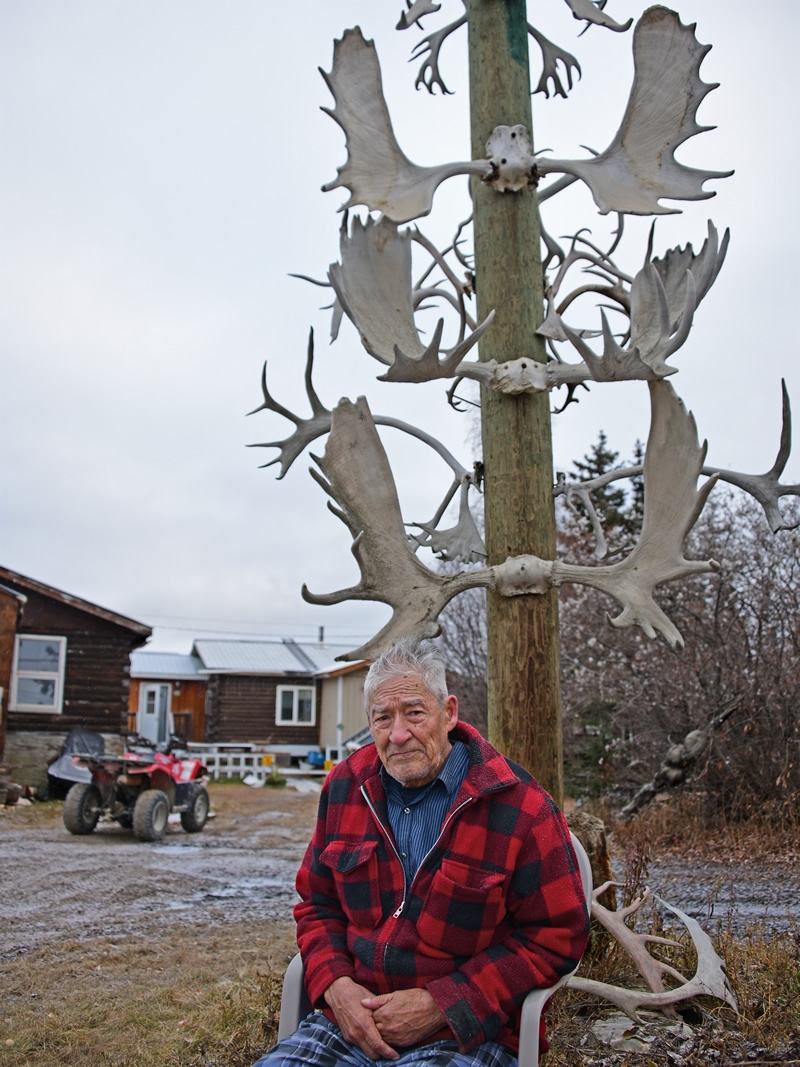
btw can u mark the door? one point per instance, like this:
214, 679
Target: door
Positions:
153, 718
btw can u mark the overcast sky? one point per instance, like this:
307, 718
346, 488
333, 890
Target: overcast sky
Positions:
161, 165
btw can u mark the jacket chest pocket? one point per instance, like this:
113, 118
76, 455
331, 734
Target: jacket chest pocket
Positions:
463, 908
354, 866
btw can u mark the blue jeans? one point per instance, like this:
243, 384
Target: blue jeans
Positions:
319, 1042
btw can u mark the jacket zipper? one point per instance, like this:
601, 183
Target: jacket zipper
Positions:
388, 836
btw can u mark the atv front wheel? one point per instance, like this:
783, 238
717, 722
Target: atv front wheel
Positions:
82, 808
194, 818
150, 815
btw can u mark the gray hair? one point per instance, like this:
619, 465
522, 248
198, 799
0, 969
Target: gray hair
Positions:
409, 656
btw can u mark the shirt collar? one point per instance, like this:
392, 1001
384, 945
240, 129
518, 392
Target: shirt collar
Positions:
451, 775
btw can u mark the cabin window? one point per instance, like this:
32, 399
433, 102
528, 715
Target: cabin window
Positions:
296, 705
37, 678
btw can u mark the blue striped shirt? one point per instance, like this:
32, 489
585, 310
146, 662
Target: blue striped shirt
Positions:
416, 815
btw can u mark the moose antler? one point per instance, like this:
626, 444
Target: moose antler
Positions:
377, 173
635, 944
360, 480
673, 460
373, 286
639, 167
308, 430
664, 295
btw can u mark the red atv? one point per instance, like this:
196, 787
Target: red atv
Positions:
139, 789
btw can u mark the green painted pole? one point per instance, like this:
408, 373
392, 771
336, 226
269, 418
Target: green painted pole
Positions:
523, 646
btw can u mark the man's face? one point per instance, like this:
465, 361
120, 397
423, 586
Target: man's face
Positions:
410, 729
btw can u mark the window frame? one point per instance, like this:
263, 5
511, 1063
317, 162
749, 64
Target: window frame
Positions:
295, 689
39, 709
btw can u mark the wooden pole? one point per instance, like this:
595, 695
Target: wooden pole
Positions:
523, 652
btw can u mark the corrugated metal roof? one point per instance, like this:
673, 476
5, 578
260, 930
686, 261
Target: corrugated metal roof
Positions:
165, 665
267, 657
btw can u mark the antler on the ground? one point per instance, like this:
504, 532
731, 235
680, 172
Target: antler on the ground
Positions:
639, 168
709, 978
635, 944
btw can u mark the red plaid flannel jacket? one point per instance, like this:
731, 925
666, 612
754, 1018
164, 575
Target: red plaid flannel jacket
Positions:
495, 910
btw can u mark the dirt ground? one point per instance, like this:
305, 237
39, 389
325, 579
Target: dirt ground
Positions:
240, 869
118, 953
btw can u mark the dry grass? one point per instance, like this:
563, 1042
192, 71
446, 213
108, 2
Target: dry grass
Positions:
763, 967
764, 970
186, 1001
680, 826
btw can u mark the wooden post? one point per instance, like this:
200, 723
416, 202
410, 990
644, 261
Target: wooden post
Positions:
523, 653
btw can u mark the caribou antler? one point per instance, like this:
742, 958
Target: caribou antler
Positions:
593, 14
377, 173
306, 430
639, 167
552, 55
709, 979
462, 541
766, 488
429, 74
416, 12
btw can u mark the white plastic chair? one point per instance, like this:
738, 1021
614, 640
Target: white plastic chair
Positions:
295, 1004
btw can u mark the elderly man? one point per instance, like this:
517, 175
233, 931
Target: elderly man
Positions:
439, 888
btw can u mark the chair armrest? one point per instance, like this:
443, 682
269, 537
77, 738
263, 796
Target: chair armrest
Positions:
534, 1003
295, 1004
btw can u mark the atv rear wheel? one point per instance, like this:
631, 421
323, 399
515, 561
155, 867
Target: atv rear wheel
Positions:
82, 808
194, 818
150, 815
